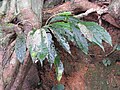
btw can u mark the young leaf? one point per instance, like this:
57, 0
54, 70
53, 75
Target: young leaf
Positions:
80, 40
61, 17
20, 47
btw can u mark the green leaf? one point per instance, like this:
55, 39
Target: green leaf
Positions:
51, 48
58, 18
98, 33
73, 20
65, 13
57, 61
38, 45
87, 33
60, 70
106, 62
61, 25
63, 42
20, 47
58, 87
98, 41
97, 29
59, 34
80, 40
61, 17
63, 29
59, 67
33, 42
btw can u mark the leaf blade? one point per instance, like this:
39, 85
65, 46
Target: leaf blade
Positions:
80, 40
20, 47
